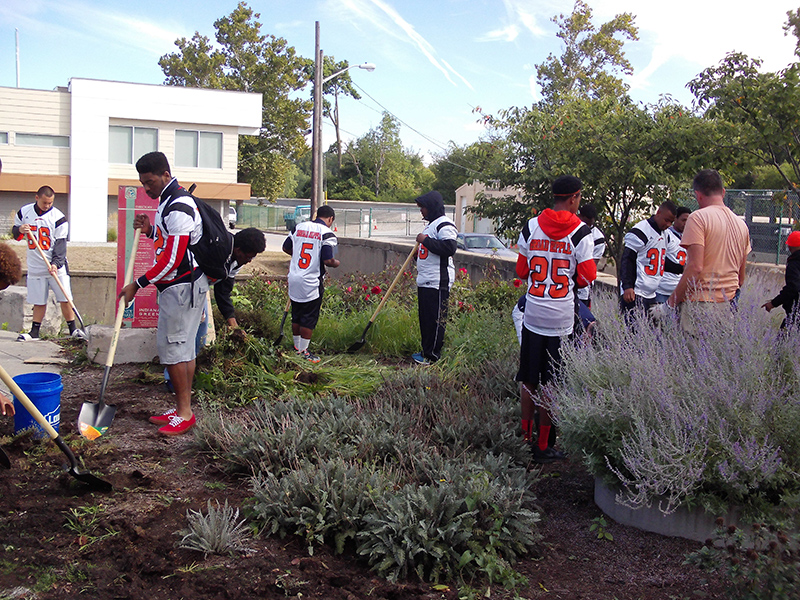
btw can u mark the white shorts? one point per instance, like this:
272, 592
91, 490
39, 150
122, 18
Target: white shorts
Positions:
178, 320
38, 288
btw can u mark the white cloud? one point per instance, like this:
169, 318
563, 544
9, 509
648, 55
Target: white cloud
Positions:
387, 19
507, 34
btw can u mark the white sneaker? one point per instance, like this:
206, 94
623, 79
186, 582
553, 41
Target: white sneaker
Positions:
79, 334
26, 337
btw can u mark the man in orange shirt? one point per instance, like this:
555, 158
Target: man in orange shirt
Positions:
717, 243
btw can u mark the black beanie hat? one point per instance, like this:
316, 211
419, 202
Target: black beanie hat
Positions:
566, 185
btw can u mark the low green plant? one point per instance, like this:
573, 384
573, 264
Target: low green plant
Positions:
599, 527
86, 522
761, 564
219, 531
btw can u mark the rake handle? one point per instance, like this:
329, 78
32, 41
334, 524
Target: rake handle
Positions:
394, 283
58, 281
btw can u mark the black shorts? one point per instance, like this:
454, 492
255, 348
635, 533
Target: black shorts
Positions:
539, 357
306, 314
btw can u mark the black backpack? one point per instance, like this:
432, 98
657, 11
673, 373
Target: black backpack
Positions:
214, 248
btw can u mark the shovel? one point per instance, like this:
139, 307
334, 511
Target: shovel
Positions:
85, 477
360, 343
94, 419
58, 281
283, 320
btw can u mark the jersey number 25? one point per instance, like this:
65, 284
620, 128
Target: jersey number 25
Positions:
540, 268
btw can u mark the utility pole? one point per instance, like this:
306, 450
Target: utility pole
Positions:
316, 130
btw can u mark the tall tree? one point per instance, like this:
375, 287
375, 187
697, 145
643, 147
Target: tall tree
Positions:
244, 59
377, 167
462, 164
762, 108
591, 59
341, 85
629, 157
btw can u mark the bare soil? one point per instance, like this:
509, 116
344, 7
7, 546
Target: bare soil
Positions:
130, 552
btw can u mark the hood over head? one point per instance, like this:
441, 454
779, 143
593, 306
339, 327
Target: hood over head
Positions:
433, 202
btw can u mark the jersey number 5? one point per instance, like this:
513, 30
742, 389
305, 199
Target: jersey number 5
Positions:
305, 258
540, 268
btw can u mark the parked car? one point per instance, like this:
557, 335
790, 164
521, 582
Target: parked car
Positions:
483, 243
231, 217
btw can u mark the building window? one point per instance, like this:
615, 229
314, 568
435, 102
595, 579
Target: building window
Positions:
127, 144
3, 137
35, 139
201, 149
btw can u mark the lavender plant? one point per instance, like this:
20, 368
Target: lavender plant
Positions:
675, 420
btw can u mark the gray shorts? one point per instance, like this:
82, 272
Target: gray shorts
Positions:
178, 320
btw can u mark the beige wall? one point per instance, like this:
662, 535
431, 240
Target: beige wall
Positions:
33, 111
465, 197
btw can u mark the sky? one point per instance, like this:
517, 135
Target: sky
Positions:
437, 61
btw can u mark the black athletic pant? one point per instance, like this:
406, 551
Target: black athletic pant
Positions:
432, 317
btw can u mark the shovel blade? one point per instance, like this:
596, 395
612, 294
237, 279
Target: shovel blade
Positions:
357, 346
91, 480
95, 419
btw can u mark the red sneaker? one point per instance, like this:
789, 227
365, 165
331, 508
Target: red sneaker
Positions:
177, 425
162, 419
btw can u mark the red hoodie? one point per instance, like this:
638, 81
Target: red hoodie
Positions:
558, 224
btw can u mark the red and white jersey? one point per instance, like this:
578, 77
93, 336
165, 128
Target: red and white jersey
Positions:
306, 268
46, 227
434, 270
675, 253
553, 245
651, 249
177, 224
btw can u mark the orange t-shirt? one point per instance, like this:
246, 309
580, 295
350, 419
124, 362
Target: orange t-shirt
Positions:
726, 244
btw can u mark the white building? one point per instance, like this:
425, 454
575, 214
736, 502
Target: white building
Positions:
84, 140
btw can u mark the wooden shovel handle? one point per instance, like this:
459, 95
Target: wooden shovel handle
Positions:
112, 349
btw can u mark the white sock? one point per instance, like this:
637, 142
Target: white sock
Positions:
303, 345
296, 339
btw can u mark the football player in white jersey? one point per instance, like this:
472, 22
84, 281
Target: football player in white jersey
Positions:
675, 259
642, 263
50, 227
435, 275
588, 214
311, 245
555, 254
181, 285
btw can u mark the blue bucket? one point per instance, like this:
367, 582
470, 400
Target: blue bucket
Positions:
44, 390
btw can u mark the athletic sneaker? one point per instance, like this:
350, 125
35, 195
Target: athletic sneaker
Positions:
177, 425
547, 455
26, 337
308, 356
79, 334
162, 419
420, 359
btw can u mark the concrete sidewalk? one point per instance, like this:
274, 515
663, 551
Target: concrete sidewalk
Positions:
27, 357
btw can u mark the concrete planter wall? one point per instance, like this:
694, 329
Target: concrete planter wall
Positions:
693, 524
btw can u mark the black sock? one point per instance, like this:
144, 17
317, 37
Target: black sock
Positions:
71, 325
35, 330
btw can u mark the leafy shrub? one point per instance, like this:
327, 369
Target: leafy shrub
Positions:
764, 565
217, 532
677, 420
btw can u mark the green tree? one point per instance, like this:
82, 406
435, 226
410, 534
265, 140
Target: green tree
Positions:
244, 59
591, 58
461, 164
629, 157
760, 107
341, 85
375, 166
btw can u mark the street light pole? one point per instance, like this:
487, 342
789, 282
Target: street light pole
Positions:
317, 164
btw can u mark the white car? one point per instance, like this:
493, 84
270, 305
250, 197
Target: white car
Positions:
483, 243
231, 217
